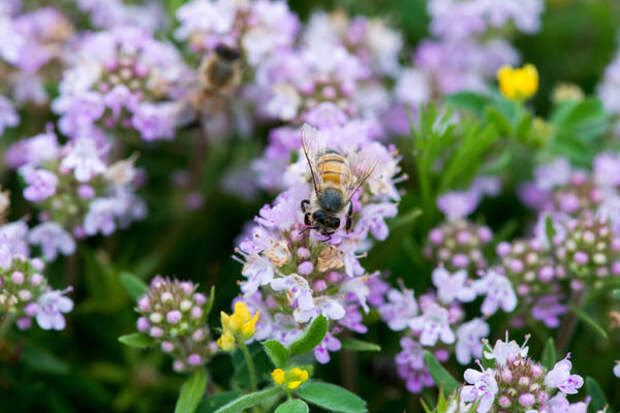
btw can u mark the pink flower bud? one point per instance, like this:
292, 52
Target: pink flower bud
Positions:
194, 360
17, 277
142, 324
167, 346
174, 316
156, 332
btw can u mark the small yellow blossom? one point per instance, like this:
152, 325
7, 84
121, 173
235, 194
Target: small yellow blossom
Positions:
293, 378
519, 83
239, 326
278, 376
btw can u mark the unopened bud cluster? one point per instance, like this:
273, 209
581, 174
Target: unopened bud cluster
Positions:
174, 315
459, 245
589, 247
521, 386
21, 285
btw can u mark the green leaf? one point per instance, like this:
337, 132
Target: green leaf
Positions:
598, 401
248, 400
331, 397
589, 321
209, 306
211, 403
136, 340
311, 338
276, 351
616, 294
43, 361
549, 229
443, 379
262, 365
293, 406
468, 100
192, 392
549, 356
134, 286
359, 345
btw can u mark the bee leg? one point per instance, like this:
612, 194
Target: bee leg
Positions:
307, 219
349, 217
304, 205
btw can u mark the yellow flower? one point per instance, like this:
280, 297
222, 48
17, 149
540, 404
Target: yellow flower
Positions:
296, 377
293, 378
519, 83
226, 341
239, 326
278, 376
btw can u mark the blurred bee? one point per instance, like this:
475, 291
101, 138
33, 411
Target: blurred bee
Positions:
220, 72
334, 185
5, 202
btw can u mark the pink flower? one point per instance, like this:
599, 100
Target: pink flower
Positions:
561, 378
50, 308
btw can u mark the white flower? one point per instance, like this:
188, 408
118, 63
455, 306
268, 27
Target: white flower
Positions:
505, 351
433, 325
52, 238
84, 160
450, 288
299, 293
468, 338
498, 291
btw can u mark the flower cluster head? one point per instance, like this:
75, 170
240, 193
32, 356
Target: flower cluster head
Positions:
459, 245
257, 28
292, 378
78, 191
25, 293
122, 79
509, 380
238, 327
518, 84
174, 315
294, 273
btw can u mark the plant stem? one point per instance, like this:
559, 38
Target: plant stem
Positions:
570, 323
6, 323
250, 363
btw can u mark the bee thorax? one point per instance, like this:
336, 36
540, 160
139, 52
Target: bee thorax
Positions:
331, 200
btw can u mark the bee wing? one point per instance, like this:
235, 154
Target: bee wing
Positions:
363, 169
309, 143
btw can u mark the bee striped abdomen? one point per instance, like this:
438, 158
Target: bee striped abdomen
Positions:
333, 169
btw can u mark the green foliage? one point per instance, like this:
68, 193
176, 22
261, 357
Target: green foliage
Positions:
276, 351
137, 340
43, 361
134, 286
549, 356
293, 406
440, 375
598, 401
192, 392
311, 338
248, 400
549, 229
359, 345
261, 361
211, 403
331, 397
589, 321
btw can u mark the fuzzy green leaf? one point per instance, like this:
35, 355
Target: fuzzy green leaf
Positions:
331, 397
192, 392
549, 356
293, 406
209, 306
211, 403
276, 351
443, 379
136, 340
311, 338
359, 345
598, 401
249, 400
134, 286
549, 229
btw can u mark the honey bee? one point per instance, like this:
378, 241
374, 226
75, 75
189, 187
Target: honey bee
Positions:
334, 185
220, 72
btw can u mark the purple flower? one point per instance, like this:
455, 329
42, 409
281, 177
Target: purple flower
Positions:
8, 115
433, 325
548, 308
53, 239
561, 378
155, 121
41, 184
457, 205
83, 158
468, 340
400, 308
14, 237
506, 351
482, 388
452, 287
499, 293
50, 308
300, 293
411, 367
329, 343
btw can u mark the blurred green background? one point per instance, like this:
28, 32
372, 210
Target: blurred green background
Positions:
85, 369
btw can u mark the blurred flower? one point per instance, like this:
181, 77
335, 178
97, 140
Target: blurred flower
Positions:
520, 83
50, 308
8, 116
240, 326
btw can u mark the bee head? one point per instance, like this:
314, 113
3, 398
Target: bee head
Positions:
323, 219
226, 52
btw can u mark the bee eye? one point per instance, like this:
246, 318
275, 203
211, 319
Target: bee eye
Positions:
335, 222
